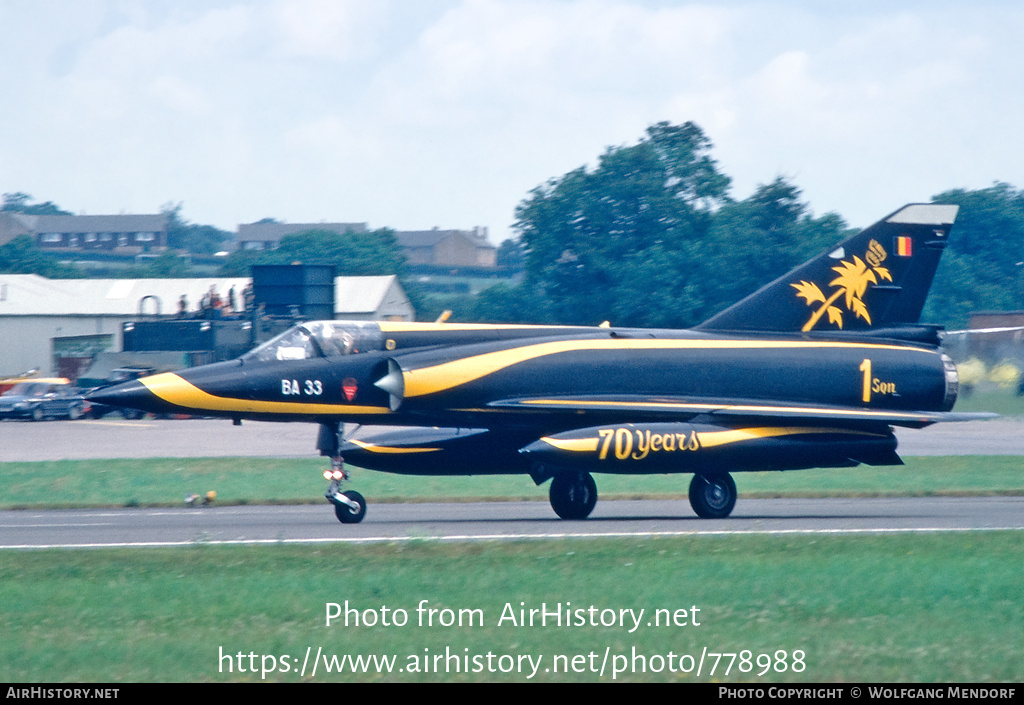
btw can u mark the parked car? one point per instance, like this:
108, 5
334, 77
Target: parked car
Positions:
8, 382
121, 374
40, 399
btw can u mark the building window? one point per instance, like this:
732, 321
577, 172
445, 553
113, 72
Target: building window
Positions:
90, 237
53, 237
145, 237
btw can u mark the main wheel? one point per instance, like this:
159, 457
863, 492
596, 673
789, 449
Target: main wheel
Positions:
713, 496
573, 494
345, 513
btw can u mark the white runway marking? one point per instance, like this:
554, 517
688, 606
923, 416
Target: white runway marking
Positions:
122, 424
454, 538
52, 525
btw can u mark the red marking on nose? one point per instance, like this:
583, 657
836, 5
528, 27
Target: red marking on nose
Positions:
349, 386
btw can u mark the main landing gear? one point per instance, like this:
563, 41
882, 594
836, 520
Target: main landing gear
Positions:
713, 496
574, 494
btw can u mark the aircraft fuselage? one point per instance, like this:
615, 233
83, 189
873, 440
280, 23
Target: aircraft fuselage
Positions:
536, 382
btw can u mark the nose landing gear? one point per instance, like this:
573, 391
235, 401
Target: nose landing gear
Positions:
349, 506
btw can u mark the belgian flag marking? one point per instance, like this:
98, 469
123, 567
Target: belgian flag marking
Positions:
904, 246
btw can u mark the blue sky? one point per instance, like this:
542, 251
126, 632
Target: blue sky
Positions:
413, 114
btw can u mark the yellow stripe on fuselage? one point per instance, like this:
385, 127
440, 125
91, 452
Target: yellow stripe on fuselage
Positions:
710, 439
391, 450
573, 445
175, 390
418, 327
597, 404
448, 375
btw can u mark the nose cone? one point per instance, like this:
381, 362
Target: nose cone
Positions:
393, 383
129, 395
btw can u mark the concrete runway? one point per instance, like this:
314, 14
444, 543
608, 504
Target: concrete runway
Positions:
114, 437
498, 521
459, 521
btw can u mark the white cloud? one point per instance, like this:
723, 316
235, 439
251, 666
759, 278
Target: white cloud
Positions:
330, 29
526, 52
447, 113
180, 96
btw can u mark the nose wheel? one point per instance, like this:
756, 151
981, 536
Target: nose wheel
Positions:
349, 506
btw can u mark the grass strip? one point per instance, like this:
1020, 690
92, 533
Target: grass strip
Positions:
166, 481
916, 608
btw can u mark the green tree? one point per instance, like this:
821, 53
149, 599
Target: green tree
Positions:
510, 255
352, 253
983, 266
502, 303
197, 239
622, 241
169, 265
21, 256
754, 241
18, 202
651, 238
239, 263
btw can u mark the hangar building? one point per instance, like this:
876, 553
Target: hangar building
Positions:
58, 325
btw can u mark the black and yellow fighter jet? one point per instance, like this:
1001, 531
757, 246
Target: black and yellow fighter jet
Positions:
812, 370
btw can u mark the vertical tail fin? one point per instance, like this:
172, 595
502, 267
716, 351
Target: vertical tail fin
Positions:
877, 279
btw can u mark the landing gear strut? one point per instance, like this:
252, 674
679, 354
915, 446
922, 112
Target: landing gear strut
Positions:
713, 496
573, 494
349, 506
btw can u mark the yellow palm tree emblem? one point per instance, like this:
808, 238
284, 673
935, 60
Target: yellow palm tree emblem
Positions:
852, 282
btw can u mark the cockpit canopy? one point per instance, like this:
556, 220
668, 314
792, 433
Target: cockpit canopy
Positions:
320, 339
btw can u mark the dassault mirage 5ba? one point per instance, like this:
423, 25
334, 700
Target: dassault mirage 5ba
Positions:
812, 370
